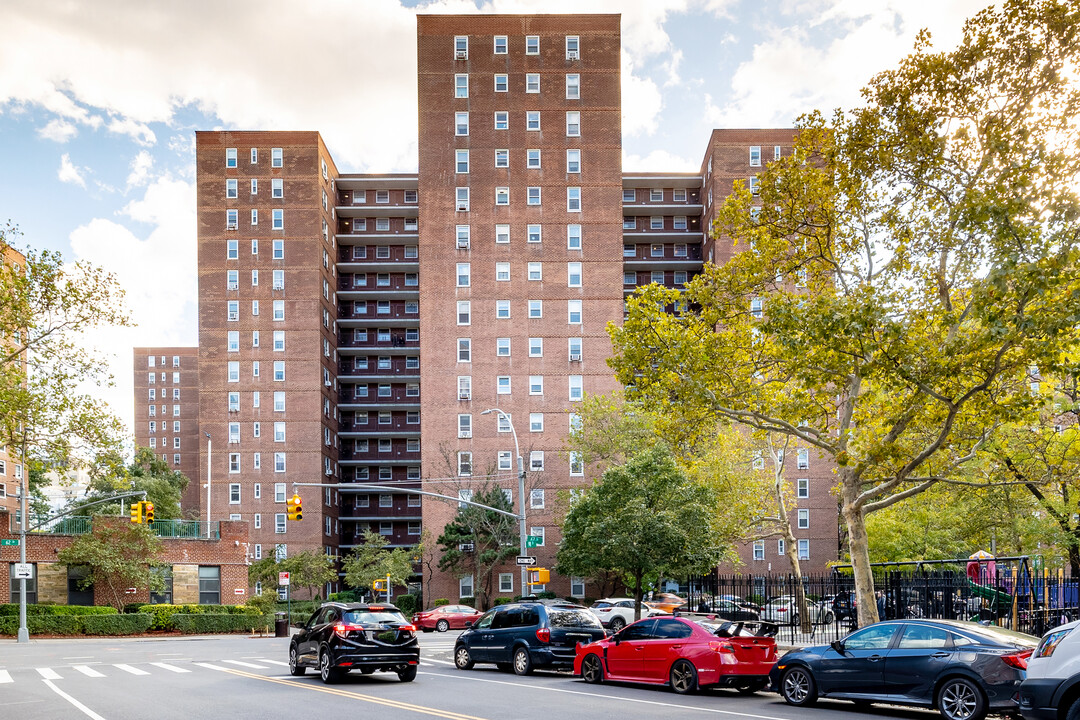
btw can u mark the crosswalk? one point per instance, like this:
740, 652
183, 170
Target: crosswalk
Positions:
123, 670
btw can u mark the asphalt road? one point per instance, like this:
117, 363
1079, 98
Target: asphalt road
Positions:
239, 677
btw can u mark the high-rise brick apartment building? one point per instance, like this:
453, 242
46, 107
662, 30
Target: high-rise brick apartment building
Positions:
355, 328
166, 381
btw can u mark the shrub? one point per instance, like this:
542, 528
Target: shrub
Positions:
502, 601
117, 624
440, 601
470, 601
133, 607
202, 623
406, 604
42, 624
348, 596
546, 595
37, 610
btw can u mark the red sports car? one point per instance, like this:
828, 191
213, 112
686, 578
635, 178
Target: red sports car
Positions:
445, 617
681, 653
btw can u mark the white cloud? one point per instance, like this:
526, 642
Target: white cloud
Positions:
641, 101
58, 130
69, 173
139, 132
140, 169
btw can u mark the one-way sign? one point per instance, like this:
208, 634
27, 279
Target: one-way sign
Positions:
526, 560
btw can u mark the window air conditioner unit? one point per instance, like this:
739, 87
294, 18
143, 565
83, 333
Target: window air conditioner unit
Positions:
461, 55
571, 54
463, 207
463, 244
464, 434
230, 226
575, 357
464, 395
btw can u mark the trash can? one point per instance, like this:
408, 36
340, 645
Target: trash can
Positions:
281, 625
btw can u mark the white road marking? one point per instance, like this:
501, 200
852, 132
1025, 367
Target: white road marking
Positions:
89, 713
132, 670
274, 662
5, 677
171, 668
49, 674
441, 662
211, 666
87, 671
241, 663
610, 697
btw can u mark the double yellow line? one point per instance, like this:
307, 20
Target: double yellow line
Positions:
356, 696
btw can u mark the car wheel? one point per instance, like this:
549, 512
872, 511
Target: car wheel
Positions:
751, 688
327, 672
407, 673
960, 699
462, 659
295, 668
522, 661
617, 624
829, 618
1074, 711
591, 669
795, 619
798, 687
683, 677
442, 626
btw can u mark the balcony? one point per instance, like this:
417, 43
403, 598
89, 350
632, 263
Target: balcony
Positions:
398, 369
396, 236
644, 259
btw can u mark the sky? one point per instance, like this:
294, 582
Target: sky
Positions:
99, 103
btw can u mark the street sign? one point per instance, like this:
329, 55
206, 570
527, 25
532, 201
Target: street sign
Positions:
533, 540
130, 591
238, 591
283, 579
24, 571
526, 560
14, 541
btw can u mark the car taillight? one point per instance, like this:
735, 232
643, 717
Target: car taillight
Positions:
543, 635
1017, 660
408, 628
342, 629
721, 647
781, 609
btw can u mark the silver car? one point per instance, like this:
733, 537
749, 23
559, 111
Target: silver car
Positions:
784, 610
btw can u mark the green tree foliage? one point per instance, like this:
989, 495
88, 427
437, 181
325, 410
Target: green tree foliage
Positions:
493, 539
917, 256
310, 570
146, 472
119, 555
643, 519
46, 304
371, 560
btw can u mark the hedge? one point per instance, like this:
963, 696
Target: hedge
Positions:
439, 602
43, 624
132, 624
163, 614
406, 604
35, 610
202, 623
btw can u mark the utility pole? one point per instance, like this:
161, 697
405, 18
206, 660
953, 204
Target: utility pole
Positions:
24, 487
521, 497
209, 447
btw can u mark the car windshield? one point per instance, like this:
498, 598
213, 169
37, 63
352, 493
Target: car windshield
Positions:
367, 617
601, 604
573, 618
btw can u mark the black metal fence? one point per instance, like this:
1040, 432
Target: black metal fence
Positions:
1009, 597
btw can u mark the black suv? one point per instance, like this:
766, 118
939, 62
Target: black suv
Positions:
527, 635
340, 637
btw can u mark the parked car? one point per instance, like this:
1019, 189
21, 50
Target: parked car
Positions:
784, 610
527, 635
617, 613
1051, 689
339, 637
445, 617
727, 610
842, 604
668, 602
962, 669
681, 653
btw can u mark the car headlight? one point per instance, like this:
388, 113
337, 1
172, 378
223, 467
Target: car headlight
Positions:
1049, 643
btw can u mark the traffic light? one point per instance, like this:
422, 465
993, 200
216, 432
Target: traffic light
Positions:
137, 512
539, 576
378, 585
148, 512
296, 511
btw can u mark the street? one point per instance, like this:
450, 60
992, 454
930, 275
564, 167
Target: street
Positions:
240, 677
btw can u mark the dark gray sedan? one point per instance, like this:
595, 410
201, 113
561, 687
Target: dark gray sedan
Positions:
962, 669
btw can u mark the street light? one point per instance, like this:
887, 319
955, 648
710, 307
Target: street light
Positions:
209, 446
521, 495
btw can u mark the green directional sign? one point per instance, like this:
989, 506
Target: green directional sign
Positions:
533, 540
9, 542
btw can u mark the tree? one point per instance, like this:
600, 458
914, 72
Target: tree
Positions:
478, 540
46, 304
146, 472
644, 518
309, 569
119, 555
370, 561
918, 256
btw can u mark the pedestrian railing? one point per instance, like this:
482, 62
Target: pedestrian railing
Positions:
171, 529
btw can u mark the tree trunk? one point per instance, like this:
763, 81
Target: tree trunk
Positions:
1074, 553
860, 553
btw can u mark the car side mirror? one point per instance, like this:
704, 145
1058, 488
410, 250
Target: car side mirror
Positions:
838, 646
468, 623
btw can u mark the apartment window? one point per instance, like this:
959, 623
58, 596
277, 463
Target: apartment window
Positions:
277, 188
803, 462
628, 223
502, 158
629, 278
532, 159
573, 274
278, 217
465, 587
536, 309
755, 156
804, 519
502, 120
536, 421
759, 549
411, 252
279, 250
502, 347
464, 350
502, 271
279, 309
464, 426
532, 120
500, 45
573, 123
279, 462
412, 363
278, 280
463, 312
463, 274
755, 307
502, 309
679, 222
254, 278
502, 196
234, 371
536, 271
279, 401
463, 232
802, 486
656, 195
533, 234
574, 312
232, 222
505, 461
573, 86
461, 162
536, 347
230, 157
576, 388
533, 196
680, 277
234, 493
231, 188
755, 186
656, 223
503, 424
573, 161
574, 345
573, 199
233, 341
234, 462
804, 549
657, 276
502, 385
462, 199
536, 384
464, 464
233, 308
275, 157
538, 532
532, 82
781, 548
532, 44
279, 371
502, 237
461, 47
577, 465
464, 383
501, 84
506, 582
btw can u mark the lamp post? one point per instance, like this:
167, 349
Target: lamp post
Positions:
24, 487
209, 447
521, 495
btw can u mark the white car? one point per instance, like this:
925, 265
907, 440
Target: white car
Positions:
617, 613
784, 610
1051, 689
